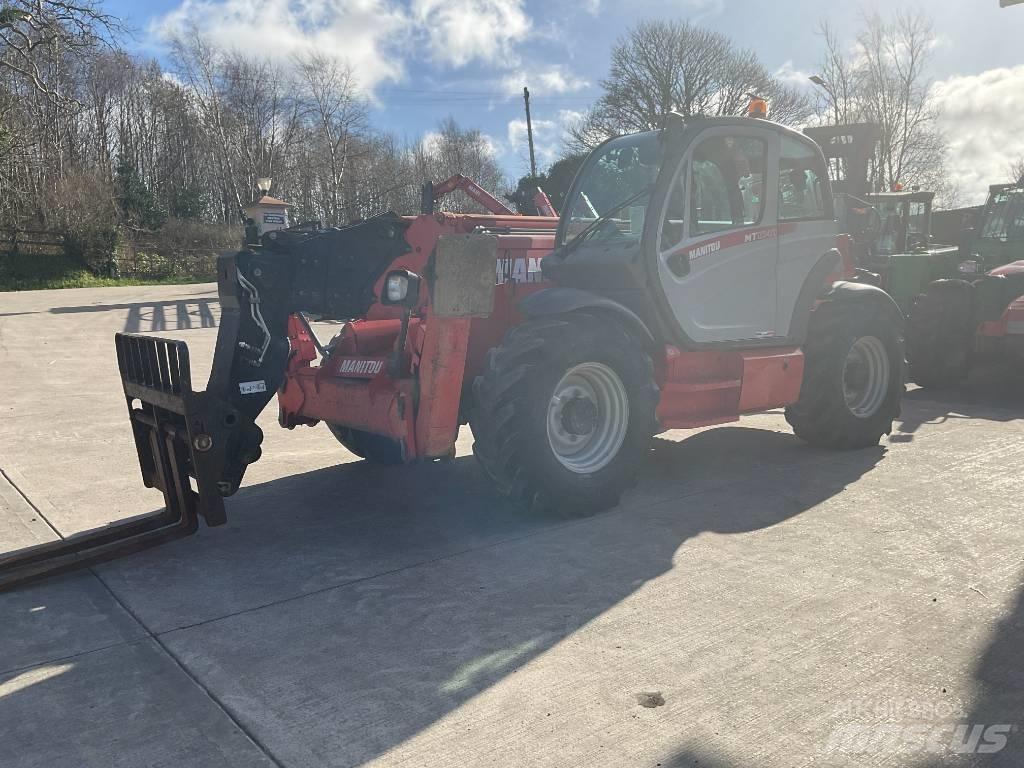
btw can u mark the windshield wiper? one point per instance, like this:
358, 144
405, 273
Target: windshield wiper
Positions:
606, 216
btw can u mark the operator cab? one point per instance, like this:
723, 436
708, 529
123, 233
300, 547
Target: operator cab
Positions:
707, 229
999, 236
905, 221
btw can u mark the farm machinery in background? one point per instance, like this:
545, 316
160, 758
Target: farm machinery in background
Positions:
979, 315
697, 273
892, 230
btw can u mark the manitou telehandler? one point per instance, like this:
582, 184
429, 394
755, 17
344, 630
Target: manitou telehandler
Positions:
697, 273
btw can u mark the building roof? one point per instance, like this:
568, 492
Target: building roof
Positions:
268, 200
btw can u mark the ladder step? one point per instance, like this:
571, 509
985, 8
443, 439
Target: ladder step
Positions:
706, 385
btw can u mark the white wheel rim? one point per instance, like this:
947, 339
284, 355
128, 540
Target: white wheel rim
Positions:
588, 417
866, 375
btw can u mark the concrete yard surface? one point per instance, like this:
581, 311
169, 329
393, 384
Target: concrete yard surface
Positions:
752, 602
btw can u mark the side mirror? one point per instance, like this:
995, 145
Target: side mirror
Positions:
401, 288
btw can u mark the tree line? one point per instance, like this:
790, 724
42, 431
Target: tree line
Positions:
95, 141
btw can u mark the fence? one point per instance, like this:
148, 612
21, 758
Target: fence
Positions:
42, 242
150, 261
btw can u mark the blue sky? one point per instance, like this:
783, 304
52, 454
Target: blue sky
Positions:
426, 59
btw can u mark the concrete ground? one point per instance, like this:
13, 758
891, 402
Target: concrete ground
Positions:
753, 602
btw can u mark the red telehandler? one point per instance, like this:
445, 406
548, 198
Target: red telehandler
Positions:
697, 273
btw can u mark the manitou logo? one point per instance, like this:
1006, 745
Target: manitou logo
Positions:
703, 250
358, 367
522, 270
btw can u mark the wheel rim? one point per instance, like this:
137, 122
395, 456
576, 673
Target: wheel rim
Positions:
866, 375
588, 416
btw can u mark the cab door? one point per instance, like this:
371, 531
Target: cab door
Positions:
718, 239
807, 229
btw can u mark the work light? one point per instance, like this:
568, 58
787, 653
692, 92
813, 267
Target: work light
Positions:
401, 287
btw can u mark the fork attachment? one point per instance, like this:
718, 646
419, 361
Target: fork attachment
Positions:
192, 446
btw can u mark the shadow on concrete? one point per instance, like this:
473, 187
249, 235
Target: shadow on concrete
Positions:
423, 624
999, 678
157, 316
991, 393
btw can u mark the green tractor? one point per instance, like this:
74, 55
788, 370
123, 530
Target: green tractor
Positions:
891, 230
903, 254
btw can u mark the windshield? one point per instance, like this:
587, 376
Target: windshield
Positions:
1005, 216
897, 215
622, 169
891, 213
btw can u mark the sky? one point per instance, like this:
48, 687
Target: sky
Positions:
423, 60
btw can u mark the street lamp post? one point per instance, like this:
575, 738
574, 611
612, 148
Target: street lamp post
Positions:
827, 87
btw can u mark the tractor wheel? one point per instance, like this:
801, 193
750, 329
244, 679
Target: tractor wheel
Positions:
853, 377
564, 413
940, 334
366, 445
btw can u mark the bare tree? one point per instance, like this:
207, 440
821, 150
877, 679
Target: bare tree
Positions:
453, 149
332, 100
885, 80
1015, 170
841, 80
671, 66
200, 64
39, 37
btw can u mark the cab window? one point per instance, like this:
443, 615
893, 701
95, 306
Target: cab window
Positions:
800, 176
616, 184
726, 175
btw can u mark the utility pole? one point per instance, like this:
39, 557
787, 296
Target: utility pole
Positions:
529, 131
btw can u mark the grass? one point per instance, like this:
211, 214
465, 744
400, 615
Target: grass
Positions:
29, 272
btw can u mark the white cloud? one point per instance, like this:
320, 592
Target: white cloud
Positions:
373, 36
461, 31
980, 115
365, 33
545, 80
790, 75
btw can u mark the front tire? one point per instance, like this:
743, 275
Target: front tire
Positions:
366, 445
853, 377
564, 413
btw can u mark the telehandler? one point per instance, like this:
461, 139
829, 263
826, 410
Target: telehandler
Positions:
697, 273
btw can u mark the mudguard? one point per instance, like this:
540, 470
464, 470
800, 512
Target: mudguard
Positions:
845, 292
557, 301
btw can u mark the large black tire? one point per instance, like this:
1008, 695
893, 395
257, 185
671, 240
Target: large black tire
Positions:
940, 334
366, 445
520, 429
853, 376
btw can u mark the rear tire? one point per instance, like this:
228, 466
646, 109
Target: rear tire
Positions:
940, 334
853, 377
564, 412
366, 445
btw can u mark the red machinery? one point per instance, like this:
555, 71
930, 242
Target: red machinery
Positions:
676, 293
